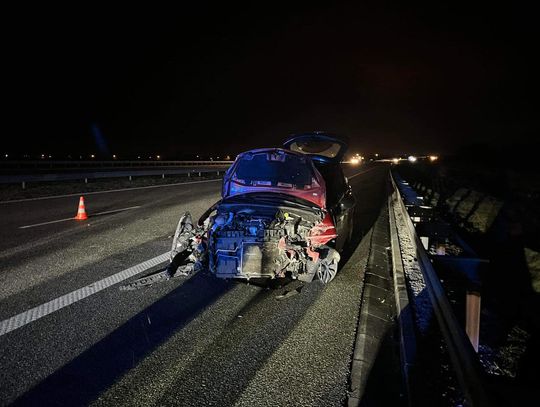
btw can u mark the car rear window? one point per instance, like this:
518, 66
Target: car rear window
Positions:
274, 169
319, 147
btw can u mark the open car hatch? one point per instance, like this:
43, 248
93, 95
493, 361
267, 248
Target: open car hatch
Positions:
319, 146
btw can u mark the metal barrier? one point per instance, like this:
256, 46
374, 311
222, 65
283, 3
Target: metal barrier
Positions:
462, 354
103, 164
126, 170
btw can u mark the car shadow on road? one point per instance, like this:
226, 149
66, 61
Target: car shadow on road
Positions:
84, 378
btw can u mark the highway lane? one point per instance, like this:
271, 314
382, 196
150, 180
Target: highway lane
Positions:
151, 344
35, 211
71, 250
52, 214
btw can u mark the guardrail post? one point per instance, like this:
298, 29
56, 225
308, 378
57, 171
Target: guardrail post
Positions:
189, 174
23, 185
86, 180
472, 318
199, 173
162, 175
130, 177
218, 173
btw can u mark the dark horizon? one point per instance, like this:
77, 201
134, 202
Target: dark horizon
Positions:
425, 79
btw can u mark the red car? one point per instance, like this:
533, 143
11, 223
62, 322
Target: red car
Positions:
284, 212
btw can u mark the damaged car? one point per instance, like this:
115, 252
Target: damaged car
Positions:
284, 212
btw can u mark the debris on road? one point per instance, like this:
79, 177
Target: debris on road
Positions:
289, 293
146, 281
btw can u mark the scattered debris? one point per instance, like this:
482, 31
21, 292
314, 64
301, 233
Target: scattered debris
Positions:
289, 293
148, 280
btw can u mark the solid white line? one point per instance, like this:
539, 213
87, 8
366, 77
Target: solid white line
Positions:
47, 308
106, 192
45, 223
360, 173
64, 220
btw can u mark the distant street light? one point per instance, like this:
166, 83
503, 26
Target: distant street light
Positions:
412, 158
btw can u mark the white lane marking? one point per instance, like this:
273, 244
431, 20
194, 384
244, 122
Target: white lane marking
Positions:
64, 220
45, 223
363, 172
106, 192
47, 308
114, 210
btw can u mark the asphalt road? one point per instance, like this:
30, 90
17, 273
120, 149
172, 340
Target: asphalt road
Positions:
190, 341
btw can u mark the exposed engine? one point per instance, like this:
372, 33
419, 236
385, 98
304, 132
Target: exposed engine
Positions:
266, 241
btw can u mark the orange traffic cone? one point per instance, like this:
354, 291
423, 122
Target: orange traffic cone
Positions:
81, 213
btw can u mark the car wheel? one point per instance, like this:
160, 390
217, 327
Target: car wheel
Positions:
328, 266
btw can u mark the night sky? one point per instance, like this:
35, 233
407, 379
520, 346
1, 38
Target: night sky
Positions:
413, 78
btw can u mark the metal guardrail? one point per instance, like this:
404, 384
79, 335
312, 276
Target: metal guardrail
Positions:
126, 169
407, 336
462, 355
73, 164
17, 172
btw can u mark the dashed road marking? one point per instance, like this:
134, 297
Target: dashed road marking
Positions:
45, 223
47, 308
64, 220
